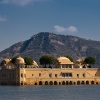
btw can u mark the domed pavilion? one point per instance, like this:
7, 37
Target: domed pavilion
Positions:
64, 62
20, 61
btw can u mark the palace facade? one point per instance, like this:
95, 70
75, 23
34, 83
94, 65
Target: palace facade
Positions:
64, 72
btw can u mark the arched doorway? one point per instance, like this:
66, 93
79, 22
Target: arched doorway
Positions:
92, 82
66, 82
51, 83
46, 82
55, 82
63, 83
40, 83
82, 82
70, 83
21, 83
87, 82
59, 83
78, 82
96, 82
35, 84
74, 83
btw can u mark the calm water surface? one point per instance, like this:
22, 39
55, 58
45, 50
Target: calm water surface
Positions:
50, 93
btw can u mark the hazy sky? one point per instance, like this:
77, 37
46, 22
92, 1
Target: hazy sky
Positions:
21, 19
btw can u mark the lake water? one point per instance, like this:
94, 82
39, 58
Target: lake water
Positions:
50, 92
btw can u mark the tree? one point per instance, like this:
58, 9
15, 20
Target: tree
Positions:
90, 60
70, 58
13, 60
28, 61
50, 60
44, 60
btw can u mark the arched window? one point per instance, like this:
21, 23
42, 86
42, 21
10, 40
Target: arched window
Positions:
59, 83
21, 83
55, 82
87, 82
82, 82
70, 82
96, 82
40, 83
51, 83
35, 84
78, 82
74, 83
92, 82
66, 82
63, 83
46, 82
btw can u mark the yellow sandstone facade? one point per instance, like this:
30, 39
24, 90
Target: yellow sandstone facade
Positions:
64, 73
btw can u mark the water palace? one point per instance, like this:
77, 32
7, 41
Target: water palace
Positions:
63, 73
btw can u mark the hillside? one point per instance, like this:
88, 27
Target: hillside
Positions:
55, 45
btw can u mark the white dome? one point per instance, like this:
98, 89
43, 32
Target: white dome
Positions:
7, 60
35, 63
20, 60
64, 60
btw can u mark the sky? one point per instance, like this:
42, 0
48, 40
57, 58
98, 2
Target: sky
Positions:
21, 19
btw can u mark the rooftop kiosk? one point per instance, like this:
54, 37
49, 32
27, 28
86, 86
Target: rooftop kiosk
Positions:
64, 62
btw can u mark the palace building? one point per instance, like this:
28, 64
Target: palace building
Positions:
64, 72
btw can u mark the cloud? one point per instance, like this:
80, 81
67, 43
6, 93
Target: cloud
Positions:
3, 19
72, 29
20, 2
63, 29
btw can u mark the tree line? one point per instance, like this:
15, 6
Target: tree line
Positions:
49, 60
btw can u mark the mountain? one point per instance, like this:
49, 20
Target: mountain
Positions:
54, 45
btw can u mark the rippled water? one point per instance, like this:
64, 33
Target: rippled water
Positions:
50, 92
